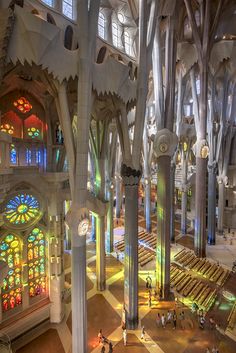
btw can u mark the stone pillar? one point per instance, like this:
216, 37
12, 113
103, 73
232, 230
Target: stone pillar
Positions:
118, 195
201, 151
221, 203
110, 230
100, 253
25, 292
93, 228
211, 219
164, 146
147, 185
184, 198
172, 204
131, 179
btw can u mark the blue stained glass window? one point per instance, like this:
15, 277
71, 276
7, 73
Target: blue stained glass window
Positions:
48, 2
28, 156
38, 157
13, 155
67, 8
21, 209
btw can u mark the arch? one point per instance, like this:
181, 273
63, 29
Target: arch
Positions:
101, 25
33, 128
68, 40
16, 2
11, 252
50, 19
101, 55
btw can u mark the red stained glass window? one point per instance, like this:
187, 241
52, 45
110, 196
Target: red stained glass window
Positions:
7, 128
23, 105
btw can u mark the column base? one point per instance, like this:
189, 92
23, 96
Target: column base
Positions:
149, 228
101, 287
132, 324
211, 242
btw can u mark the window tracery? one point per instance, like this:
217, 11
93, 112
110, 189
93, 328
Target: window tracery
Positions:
10, 251
101, 25
67, 8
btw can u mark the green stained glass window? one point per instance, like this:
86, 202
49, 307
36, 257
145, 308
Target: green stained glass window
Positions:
36, 262
12, 285
22, 209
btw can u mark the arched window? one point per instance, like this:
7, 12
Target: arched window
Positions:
116, 40
101, 25
127, 42
48, 2
67, 8
36, 262
68, 37
101, 55
50, 19
10, 251
13, 155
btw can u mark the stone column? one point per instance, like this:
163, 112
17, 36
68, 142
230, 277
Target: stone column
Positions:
184, 199
164, 146
93, 228
221, 204
100, 253
118, 195
147, 184
172, 204
110, 220
25, 293
201, 151
211, 218
131, 179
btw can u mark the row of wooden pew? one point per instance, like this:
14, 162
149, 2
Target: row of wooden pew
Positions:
232, 318
212, 271
192, 288
146, 247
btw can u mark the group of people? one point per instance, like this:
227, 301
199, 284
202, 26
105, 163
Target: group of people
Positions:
170, 317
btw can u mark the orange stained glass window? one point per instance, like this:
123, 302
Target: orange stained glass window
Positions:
23, 105
7, 128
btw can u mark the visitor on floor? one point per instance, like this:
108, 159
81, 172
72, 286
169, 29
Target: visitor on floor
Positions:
143, 333
110, 347
125, 337
158, 320
169, 317
163, 320
174, 320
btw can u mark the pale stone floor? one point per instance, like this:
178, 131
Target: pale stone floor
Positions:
105, 310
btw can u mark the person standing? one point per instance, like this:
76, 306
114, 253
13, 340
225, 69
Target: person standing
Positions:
163, 320
158, 320
174, 320
143, 333
103, 349
110, 346
169, 317
149, 299
125, 337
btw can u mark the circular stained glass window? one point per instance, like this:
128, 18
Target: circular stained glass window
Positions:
33, 132
7, 128
21, 210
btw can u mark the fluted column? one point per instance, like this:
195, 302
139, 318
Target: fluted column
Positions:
172, 205
164, 147
100, 253
110, 220
118, 182
211, 219
131, 179
147, 184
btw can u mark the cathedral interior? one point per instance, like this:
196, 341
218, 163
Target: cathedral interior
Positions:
117, 176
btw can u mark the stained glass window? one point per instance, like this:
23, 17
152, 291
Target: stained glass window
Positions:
22, 209
33, 132
7, 128
127, 41
12, 285
13, 154
48, 2
23, 105
36, 262
116, 35
38, 157
67, 8
101, 25
28, 156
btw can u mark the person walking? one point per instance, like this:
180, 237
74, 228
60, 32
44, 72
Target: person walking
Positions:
208, 350
174, 320
163, 320
169, 317
103, 349
125, 337
143, 333
158, 320
110, 346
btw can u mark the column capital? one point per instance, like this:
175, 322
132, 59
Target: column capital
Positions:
130, 176
165, 143
201, 149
